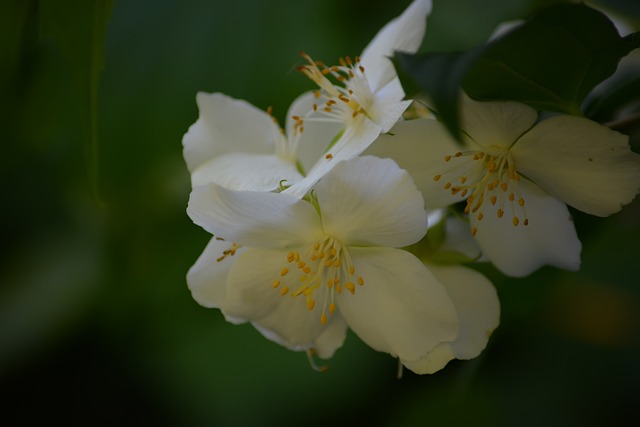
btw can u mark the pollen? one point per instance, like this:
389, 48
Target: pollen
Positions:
323, 264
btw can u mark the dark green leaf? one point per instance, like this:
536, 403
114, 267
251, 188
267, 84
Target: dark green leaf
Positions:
439, 76
553, 61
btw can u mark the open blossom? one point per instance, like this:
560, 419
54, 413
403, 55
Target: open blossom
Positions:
517, 175
303, 271
362, 95
240, 147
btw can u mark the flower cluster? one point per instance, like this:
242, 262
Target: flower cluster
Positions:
320, 226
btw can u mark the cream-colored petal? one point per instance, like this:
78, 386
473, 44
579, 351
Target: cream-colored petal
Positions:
498, 123
369, 201
401, 308
353, 141
207, 277
227, 125
254, 219
581, 162
246, 172
419, 146
404, 33
332, 337
281, 318
549, 239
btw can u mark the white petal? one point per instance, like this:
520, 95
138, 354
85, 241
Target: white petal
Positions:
227, 125
495, 123
317, 135
582, 163
419, 146
254, 219
550, 238
246, 172
401, 309
332, 337
207, 277
369, 201
352, 142
251, 296
459, 239
404, 33
478, 308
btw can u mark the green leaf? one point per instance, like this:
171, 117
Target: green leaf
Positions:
551, 62
438, 75
78, 29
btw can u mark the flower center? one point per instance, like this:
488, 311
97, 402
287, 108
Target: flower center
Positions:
324, 266
344, 88
485, 175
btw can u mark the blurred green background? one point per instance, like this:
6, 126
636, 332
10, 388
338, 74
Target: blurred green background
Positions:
97, 326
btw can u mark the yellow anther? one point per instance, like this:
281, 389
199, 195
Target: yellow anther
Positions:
338, 288
500, 213
301, 264
512, 197
284, 271
275, 283
463, 179
284, 291
290, 256
515, 221
328, 263
332, 308
504, 186
458, 154
360, 281
493, 200
351, 287
447, 186
323, 319
333, 251
352, 269
480, 216
474, 230
310, 304
447, 158
329, 283
307, 270
329, 156
437, 177
521, 201
336, 263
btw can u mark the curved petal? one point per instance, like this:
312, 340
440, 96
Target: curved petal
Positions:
496, 124
419, 146
550, 238
317, 135
404, 33
207, 278
246, 172
254, 219
401, 309
582, 163
478, 308
281, 318
352, 142
369, 201
227, 125
332, 337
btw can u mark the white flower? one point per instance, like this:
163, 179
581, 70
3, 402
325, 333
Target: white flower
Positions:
364, 96
516, 176
240, 147
300, 272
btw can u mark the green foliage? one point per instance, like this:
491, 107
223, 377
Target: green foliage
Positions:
551, 62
